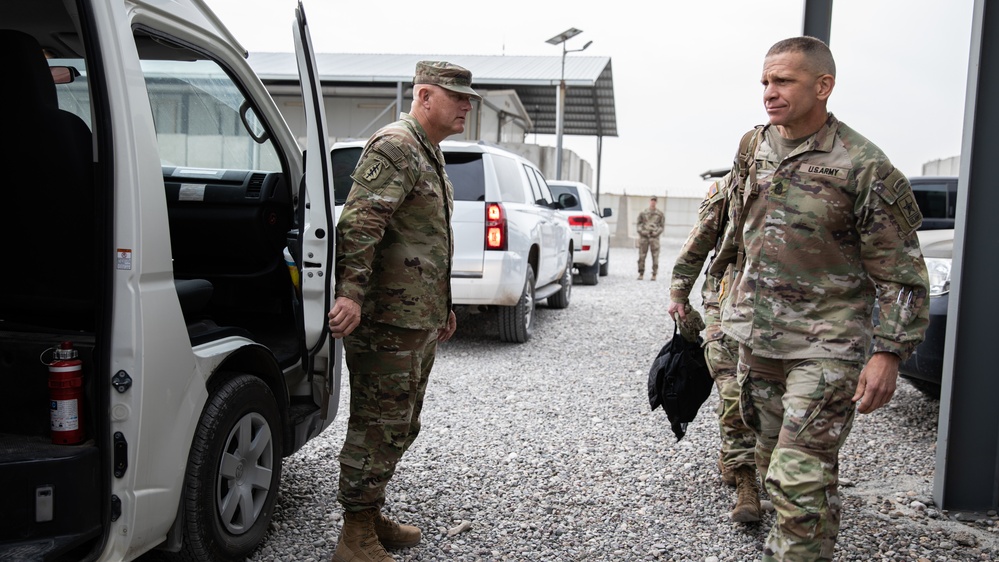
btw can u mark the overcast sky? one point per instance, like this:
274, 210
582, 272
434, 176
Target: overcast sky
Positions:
686, 74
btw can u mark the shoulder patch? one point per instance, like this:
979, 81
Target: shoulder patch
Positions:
896, 192
373, 171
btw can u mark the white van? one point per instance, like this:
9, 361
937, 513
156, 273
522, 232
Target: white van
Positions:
163, 340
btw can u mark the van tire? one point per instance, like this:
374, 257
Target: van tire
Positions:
562, 297
243, 405
517, 322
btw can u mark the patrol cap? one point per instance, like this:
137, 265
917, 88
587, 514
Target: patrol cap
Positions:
653, 198
446, 75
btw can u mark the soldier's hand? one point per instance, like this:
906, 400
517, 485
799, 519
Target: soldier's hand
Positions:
677, 308
877, 382
445, 333
344, 317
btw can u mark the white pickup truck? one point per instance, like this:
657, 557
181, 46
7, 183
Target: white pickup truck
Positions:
159, 354
512, 248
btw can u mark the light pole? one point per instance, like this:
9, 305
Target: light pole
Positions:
561, 38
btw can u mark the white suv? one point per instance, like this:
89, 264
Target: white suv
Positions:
512, 247
161, 355
590, 231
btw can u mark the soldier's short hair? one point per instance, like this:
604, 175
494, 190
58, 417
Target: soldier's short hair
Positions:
816, 52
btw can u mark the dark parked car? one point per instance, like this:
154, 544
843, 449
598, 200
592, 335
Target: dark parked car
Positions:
937, 199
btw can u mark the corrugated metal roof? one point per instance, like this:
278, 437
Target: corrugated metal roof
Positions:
589, 107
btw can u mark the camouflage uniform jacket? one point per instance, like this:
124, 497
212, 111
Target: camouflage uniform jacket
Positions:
651, 223
704, 237
831, 234
394, 239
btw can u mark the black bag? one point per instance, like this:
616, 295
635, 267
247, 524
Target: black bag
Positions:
679, 381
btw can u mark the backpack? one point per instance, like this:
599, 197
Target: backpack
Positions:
679, 381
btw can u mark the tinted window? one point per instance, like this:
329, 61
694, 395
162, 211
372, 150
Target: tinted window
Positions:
546, 193
464, 169
539, 199
511, 179
571, 190
343, 160
936, 200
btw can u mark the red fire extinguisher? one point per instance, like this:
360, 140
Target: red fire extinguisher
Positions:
66, 395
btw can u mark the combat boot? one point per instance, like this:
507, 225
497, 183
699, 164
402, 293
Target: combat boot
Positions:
358, 541
747, 507
394, 535
640, 276
653, 277
727, 474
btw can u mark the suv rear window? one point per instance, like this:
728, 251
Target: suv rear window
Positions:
464, 169
560, 189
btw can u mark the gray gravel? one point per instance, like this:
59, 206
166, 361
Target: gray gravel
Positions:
548, 451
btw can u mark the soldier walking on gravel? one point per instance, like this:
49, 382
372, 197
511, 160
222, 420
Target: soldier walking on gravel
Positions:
822, 230
651, 224
736, 460
393, 299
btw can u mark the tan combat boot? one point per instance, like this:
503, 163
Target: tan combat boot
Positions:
653, 277
358, 541
394, 535
727, 474
747, 507
640, 276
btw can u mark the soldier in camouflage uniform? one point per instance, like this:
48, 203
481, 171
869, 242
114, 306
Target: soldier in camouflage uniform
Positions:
651, 223
393, 299
824, 231
736, 457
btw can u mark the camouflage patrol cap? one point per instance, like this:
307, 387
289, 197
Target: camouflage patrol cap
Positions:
446, 75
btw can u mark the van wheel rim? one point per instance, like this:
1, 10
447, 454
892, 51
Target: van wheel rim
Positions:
245, 473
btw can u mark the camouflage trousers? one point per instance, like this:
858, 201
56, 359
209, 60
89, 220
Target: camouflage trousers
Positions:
389, 368
646, 245
738, 442
801, 412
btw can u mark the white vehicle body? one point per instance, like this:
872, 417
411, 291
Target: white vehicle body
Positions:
530, 258
204, 361
590, 231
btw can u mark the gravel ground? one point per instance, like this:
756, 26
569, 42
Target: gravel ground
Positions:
548, 451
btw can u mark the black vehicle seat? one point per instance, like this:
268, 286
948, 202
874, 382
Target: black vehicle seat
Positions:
49, 233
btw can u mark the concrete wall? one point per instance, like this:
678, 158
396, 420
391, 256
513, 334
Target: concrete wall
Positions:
943, 167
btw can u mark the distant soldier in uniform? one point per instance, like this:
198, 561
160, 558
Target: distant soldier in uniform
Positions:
651, 223
393, 299
736, 460
822, 231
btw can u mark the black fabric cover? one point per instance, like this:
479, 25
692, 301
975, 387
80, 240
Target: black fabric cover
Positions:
679, 381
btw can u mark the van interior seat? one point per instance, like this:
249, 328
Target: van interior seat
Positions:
50, 232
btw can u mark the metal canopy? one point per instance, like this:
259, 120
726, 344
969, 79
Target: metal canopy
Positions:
589, 108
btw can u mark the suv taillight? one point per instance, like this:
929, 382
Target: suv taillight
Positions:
581, 221
495, 227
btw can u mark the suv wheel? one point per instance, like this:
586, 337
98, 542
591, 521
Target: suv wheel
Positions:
561, 298
233, 472
517, 322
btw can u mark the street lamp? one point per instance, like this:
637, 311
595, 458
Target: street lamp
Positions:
561, 38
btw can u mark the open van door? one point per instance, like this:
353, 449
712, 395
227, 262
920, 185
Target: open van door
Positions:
316, 242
